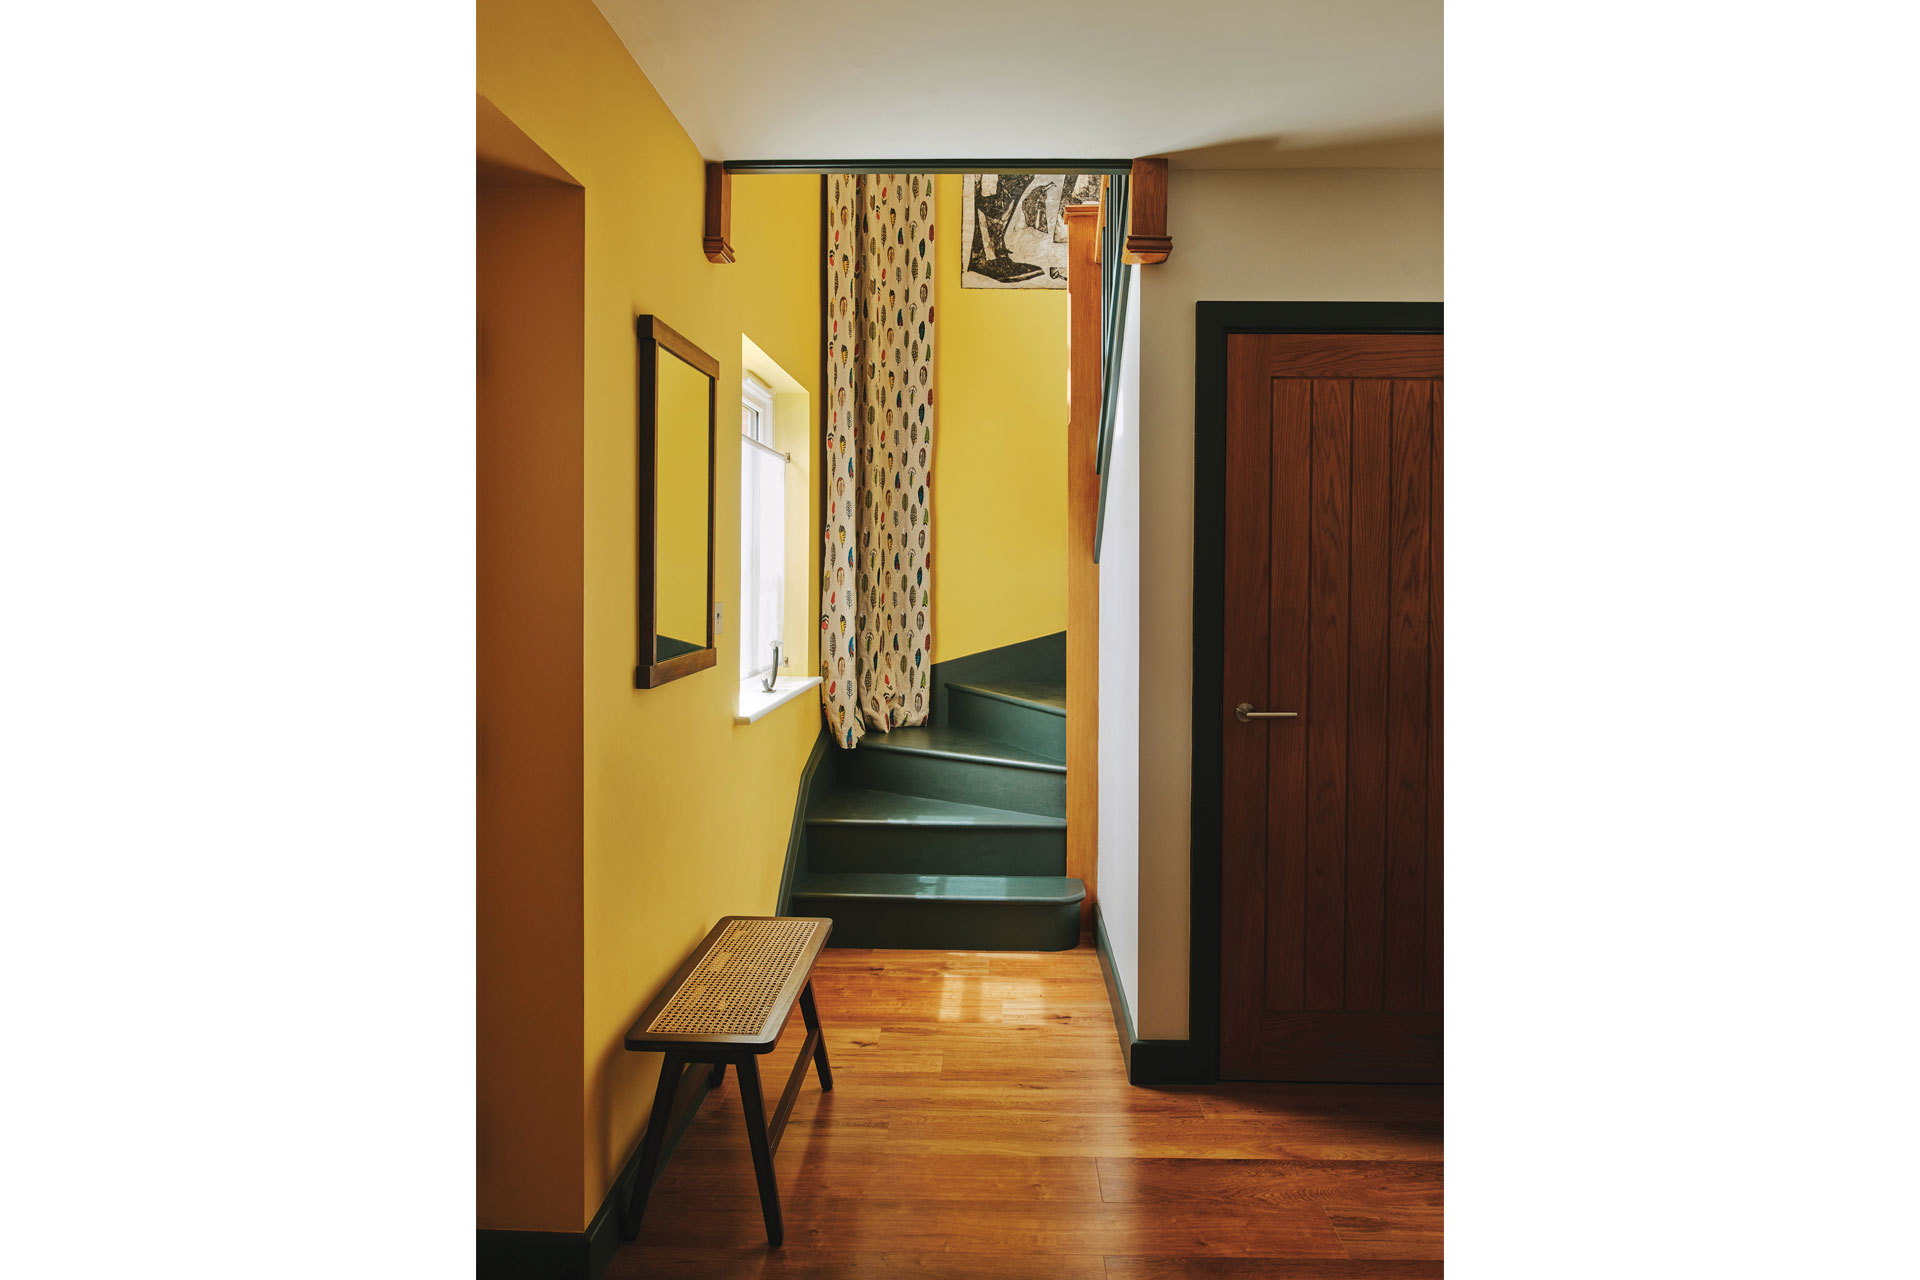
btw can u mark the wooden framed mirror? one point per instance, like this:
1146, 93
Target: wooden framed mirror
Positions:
676, 422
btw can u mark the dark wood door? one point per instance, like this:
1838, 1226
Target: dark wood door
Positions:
1330, 873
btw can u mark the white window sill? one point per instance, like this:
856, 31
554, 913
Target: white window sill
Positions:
756, 702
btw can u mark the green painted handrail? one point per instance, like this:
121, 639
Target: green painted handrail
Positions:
1115, 280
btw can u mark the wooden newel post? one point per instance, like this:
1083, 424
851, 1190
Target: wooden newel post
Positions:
1083, 575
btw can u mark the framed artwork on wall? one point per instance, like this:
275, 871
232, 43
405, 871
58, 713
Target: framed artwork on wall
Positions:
1012, 233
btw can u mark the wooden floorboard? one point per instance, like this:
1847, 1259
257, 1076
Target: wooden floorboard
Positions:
1267, 1269
981, 1126
673, 1263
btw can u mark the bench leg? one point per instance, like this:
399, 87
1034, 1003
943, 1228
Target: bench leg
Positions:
663, 1096
812, 1017
747, 1068
717, 1075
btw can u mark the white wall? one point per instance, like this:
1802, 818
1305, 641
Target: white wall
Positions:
1119, 852
1288, 235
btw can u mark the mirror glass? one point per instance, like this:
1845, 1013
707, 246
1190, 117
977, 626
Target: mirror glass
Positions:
681, 487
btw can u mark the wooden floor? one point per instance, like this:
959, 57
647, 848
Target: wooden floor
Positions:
981, 1126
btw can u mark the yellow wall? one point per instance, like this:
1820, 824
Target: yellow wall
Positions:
685, 815
999, 502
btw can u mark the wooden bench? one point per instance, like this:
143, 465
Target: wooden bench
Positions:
728, 1003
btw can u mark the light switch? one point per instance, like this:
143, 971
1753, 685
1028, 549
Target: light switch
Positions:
716, 618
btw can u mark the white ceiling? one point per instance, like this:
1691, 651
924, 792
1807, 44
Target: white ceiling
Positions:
1211, 83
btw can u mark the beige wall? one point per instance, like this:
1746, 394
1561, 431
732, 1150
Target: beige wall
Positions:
1239, 235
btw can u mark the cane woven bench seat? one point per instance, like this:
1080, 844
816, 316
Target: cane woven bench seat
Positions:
728, 1002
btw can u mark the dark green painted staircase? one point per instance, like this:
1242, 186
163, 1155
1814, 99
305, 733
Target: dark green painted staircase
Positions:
951, 836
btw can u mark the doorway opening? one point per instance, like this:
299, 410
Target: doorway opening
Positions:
948, 622
530, 356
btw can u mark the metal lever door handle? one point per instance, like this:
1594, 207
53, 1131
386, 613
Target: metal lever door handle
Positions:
1245, 712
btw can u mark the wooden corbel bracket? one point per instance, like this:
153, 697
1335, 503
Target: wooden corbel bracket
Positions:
717, 237
1147, 238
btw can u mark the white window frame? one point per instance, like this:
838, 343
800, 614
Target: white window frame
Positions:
756, 398
756, 425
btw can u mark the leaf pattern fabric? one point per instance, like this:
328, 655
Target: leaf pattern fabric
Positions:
876, 641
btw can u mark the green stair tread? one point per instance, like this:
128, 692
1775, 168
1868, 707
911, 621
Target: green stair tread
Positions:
864, 807
1049, 696
1035, 890
958, 744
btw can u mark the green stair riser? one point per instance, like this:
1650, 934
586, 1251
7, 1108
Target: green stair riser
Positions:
1038, 731
1041, 658
996, 786
933, 924
930, 850
950, 835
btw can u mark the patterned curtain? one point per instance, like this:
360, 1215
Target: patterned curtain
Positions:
876, 643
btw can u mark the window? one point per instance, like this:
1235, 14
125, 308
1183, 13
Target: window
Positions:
763, 524
756, 411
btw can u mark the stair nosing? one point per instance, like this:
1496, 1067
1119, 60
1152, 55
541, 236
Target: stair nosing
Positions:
878, 742
806, 889
1040, 822
1012, 700
989, 817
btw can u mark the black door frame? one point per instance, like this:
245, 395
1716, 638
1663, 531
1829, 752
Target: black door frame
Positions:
1214, 322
